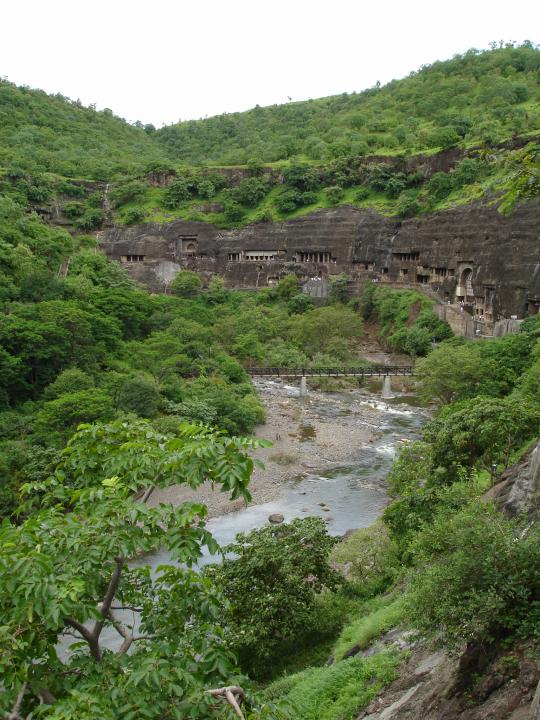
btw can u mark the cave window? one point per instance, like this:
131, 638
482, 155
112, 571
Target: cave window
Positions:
314, 257
266, 255
134, 258
385, 271
189, 244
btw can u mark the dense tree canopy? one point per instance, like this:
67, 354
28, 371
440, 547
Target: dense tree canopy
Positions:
474, 97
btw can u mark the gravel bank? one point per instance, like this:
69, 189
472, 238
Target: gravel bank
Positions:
317, 432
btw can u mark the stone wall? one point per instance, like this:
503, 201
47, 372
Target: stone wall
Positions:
470, 253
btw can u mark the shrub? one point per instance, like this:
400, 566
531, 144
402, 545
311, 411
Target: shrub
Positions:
361, 194
440, 185
128, 191
445, 138
176, 193
68, 381
139, 396
302, 177
91, 220
299, 304
264, 216
407, 204
271, 584
476, 577
233, 211
186, 284
339, 288
467, 171
370, 558
413, 340
415, 508
64, 413
287, 287
334, 194
197, 411
206, 189
73, 210
288, 201
134, 215
482, 432
250, 192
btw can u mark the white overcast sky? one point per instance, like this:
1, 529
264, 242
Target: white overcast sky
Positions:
160, 61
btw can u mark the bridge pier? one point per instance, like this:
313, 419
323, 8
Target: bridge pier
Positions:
387, 388
303, 386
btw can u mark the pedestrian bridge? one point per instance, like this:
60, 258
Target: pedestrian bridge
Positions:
370, 371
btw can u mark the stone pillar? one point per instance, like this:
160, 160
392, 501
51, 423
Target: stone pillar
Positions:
303, 386
387, 388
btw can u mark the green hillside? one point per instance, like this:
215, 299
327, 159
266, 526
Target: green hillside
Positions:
51, 133
476, 97
298, 157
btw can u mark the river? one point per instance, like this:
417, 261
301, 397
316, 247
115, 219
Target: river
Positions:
356, 425
349, 495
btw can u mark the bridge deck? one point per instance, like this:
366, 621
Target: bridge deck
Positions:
374, 371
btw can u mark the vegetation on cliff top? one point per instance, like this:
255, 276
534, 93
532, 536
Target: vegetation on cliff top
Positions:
60, 156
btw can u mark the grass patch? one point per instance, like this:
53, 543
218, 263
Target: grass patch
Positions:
363, 631
337, 692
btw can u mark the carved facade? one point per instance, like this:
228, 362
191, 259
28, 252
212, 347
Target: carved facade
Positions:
469, 255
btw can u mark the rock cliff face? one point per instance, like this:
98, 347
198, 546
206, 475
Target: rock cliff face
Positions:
519, 488
469, 254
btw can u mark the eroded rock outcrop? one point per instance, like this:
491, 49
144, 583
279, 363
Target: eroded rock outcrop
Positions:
519, 489
500, 685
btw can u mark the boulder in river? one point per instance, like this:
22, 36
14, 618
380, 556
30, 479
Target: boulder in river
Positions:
276, 518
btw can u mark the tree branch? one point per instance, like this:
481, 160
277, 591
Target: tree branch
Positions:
106, 603
229, 694
81, 629
113, 586
15, 710
147, 493
46, 696
90, 637
124, 632
127, 607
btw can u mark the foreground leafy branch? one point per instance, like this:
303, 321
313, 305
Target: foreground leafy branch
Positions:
65, 574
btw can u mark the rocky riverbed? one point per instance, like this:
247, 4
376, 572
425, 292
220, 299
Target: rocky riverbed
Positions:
314, 437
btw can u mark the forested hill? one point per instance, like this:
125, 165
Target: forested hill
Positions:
476, 97
51, 133
473, 98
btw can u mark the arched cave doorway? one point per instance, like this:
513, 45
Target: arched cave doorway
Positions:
466, 282
464, 289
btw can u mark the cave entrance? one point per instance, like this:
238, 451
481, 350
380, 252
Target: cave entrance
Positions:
464, 289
